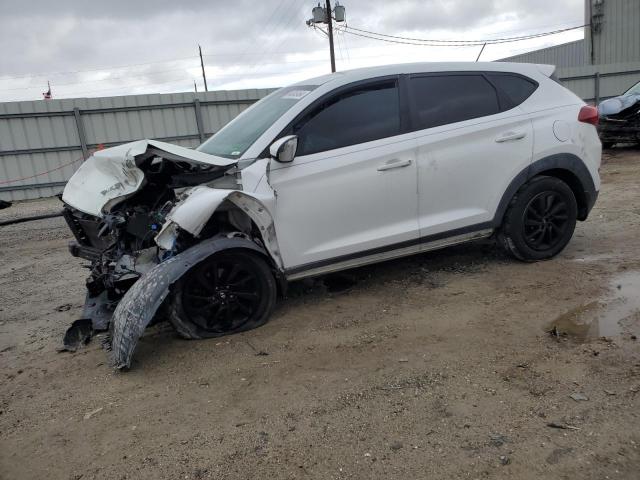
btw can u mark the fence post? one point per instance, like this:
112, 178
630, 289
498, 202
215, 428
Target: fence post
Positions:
198, 111
81, 135
596, 86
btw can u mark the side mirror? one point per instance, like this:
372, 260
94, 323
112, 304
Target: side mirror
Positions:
284, 149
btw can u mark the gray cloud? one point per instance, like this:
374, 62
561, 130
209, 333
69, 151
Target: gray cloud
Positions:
241, 38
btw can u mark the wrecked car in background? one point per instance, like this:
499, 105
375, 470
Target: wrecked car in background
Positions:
328, 174
620, 118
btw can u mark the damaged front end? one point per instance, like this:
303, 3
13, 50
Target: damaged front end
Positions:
137, 211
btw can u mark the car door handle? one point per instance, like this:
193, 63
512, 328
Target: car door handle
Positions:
395, 163
512, 135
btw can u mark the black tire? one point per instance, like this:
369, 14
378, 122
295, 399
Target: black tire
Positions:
607, 145
229, 292
540, 219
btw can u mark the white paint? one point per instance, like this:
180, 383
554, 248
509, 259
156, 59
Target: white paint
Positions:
376, 194
112, 174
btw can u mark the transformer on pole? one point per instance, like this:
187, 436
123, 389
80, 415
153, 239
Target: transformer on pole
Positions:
327, 15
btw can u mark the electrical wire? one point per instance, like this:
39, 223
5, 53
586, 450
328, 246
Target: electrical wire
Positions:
284, 21
438, 42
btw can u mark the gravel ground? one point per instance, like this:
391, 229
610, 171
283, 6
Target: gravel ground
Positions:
434, 366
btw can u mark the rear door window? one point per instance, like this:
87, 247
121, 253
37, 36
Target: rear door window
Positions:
443, 99
358, 115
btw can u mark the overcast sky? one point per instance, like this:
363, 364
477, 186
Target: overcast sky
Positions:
87, 48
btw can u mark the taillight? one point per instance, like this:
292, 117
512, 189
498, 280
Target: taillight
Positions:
588, 114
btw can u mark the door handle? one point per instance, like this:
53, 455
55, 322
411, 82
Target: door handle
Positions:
395, 163
512, 135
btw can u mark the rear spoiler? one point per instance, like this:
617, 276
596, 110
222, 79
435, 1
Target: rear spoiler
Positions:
547, 70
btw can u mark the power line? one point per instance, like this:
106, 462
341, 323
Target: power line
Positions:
284, 22
264, 53
448, 43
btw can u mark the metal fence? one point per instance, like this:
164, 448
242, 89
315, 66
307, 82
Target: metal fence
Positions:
598, 82
43, 142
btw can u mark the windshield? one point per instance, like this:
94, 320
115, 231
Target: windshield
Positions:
237, 136
635, 90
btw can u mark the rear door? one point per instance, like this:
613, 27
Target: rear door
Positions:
472, 141
351, 191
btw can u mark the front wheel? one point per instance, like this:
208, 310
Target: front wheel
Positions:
229, 292
540, 219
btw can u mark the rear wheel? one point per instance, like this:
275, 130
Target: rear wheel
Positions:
228, 292
540, 219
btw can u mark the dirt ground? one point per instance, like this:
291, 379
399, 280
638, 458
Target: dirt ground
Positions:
435, 366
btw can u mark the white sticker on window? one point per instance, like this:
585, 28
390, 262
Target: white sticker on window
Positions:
295, 94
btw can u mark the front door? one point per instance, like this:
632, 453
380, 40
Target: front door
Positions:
351, 191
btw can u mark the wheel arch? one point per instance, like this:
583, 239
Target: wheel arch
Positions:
139, 305
198, 210
564, 166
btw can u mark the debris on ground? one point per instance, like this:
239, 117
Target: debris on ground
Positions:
77, 335
90, 414
504, 460
579, 397
562, 426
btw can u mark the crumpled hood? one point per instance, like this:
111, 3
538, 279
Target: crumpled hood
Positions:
615, 105
113, 173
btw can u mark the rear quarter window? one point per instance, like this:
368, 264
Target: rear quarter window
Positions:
514, 89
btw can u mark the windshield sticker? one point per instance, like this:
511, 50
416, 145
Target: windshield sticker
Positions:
235, 153
295, 94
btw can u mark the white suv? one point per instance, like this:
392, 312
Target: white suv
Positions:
328, 174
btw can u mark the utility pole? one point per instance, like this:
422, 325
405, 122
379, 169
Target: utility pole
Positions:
204, 76
195, 87
330, 30
327, 15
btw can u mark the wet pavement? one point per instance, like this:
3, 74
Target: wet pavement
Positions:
615, 315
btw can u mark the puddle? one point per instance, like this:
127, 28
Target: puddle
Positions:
610, 316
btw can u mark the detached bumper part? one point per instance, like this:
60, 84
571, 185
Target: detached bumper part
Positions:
140, 304
82, 251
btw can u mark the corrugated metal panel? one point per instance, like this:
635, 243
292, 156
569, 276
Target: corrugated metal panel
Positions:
618, 40
53, 129
570, 54
615, 40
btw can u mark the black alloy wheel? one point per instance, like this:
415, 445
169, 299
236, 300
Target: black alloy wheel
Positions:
540, 219
226, 293
545, 220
